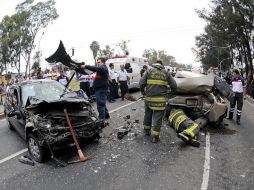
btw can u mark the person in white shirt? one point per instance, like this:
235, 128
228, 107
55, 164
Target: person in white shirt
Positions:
113, 86
123, 79
62, 78
68, 73
85, 83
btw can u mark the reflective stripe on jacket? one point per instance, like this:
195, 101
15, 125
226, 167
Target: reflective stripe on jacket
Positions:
155, 84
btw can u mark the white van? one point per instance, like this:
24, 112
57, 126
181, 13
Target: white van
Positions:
133, 65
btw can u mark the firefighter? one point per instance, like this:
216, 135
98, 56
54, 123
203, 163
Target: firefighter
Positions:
238, 87
154, 86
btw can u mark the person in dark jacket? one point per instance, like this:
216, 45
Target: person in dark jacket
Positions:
100, 86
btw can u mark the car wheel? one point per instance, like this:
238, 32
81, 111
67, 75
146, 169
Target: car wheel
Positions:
39, 153
218, 123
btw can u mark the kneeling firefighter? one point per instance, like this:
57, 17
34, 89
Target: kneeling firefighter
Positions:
155, 85
185, 128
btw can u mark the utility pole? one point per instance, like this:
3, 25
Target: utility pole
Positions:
221, 63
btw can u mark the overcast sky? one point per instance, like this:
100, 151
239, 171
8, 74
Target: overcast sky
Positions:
169, 25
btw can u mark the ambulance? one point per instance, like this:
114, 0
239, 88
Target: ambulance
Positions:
132, 65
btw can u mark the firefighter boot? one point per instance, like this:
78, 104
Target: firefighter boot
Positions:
155, 136
194, 142
188, 140
155, 139
238, 117
147, 130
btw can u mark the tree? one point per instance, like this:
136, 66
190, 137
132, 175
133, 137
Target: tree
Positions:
153, 55
124, 47
14, 36
38, 17
229, 23
107, 52
18, 32
36, 60
95, 48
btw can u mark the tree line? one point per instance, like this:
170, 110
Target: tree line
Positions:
228, 35
152, 55
19, 31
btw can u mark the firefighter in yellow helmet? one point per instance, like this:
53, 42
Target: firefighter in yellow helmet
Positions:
155, 85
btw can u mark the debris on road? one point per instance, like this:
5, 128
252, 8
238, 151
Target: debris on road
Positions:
26, 160
121, 132
115, 156
129, 125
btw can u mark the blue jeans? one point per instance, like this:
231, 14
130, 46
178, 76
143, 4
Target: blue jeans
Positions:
101, 98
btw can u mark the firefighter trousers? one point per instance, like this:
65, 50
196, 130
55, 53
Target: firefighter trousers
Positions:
153, 120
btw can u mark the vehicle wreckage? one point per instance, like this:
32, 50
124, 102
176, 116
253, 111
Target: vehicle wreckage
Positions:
41, 120
199, 100
35, 109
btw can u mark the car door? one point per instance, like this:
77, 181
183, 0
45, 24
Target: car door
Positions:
18, 121
135, 77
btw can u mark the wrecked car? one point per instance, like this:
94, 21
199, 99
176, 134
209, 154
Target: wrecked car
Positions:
199, 100
35, 109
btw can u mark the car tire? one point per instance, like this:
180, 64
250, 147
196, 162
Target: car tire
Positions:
218, 123
39, 153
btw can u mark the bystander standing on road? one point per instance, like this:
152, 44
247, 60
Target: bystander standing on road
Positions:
123, 79
40, 75
2, 93
100, 86
238, 87
84, 83
2, 87
68, 72
47, 75
53, 75
154, 87
62, 78
9, 83
112, 83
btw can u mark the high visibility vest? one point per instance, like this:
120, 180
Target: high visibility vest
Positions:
155, 79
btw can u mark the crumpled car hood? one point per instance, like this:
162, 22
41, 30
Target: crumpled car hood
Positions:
194, 84
69, 100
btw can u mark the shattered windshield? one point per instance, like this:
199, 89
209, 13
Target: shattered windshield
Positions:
43, 90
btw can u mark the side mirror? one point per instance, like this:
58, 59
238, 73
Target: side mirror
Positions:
13, 113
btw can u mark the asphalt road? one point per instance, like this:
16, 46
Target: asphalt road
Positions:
136, 163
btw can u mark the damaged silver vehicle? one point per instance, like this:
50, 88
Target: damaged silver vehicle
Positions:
199, 100
35, 109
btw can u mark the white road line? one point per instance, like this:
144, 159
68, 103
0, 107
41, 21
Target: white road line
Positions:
206, 172
24, 150
123, 106
13, 155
